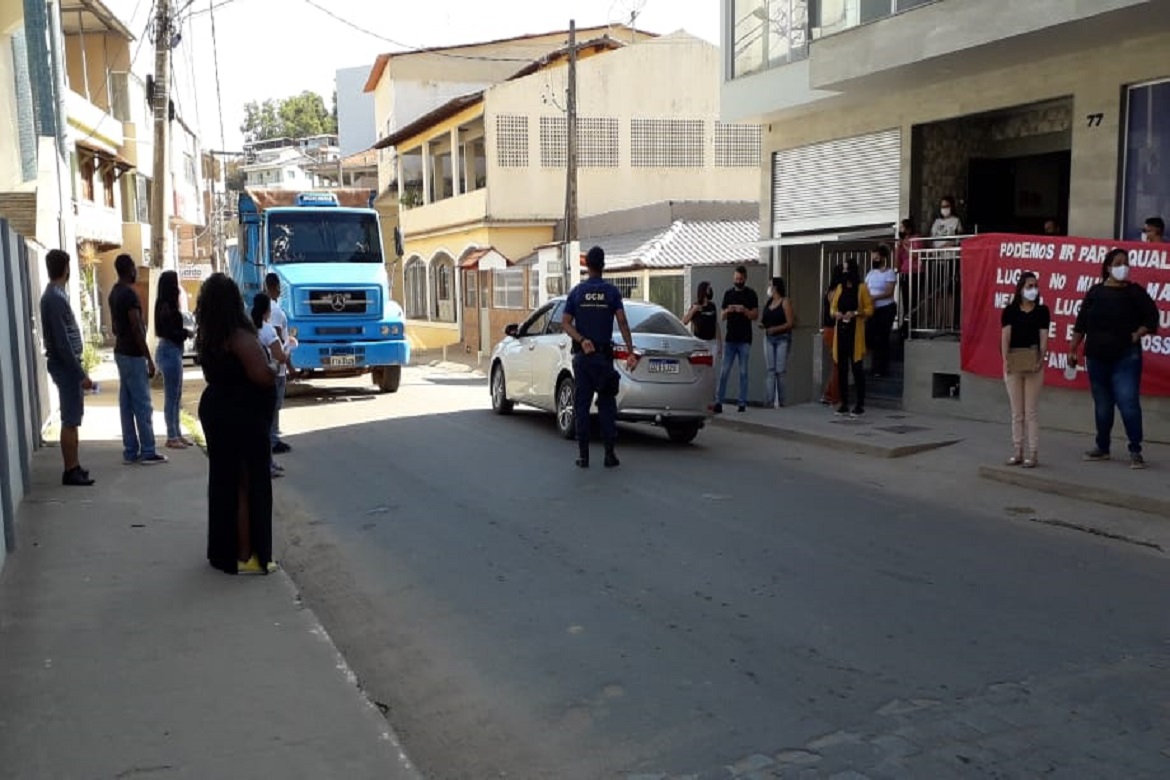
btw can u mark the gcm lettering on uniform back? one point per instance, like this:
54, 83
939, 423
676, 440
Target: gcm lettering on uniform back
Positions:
598, 296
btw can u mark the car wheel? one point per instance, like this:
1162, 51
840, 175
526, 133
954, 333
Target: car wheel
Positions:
500, 402
566, 422
682, 433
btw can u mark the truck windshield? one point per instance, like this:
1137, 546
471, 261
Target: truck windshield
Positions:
324, 237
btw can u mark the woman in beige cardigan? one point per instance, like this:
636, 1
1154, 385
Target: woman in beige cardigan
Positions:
851, 306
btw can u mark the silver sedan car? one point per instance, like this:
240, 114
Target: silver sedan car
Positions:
672, 386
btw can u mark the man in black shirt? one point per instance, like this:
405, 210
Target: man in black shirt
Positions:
135, 368
63, 349
741, 307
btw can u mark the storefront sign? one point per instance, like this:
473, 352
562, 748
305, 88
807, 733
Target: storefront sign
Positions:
189, 272
1066, 269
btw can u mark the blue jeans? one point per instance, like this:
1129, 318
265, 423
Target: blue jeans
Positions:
732, 351
136, 407
776, 359
274, 431
1116, 383
169, 359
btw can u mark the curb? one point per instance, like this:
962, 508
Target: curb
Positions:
831, 442
1079, 491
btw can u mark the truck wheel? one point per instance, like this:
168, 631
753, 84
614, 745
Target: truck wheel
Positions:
387, 378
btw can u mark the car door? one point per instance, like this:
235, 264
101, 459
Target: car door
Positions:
520, 354
551, 354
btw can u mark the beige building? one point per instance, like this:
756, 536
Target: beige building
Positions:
486, 170
873, 111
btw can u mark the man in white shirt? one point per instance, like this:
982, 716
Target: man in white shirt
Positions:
279, 323
882, 282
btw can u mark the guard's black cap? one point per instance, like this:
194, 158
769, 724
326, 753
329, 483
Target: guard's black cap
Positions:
595, 259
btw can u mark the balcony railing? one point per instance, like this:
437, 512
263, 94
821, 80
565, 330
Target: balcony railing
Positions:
767, 33
934, 297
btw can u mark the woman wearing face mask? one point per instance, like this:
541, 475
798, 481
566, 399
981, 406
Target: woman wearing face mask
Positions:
1114, 317
909, 270
1024, 346
851, 307
703, 317
777, 321
947, 224
831, 395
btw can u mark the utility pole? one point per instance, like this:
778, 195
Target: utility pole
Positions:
570, 265
162, 118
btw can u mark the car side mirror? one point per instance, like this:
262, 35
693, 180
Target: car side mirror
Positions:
512, 330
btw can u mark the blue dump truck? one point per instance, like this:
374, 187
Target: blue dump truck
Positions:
326, 247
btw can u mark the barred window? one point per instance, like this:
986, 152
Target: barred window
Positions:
508, 289
554, 141
627, 285
737, 146
415, 293
667, 143
470, 289
533, 287
512, 141
597, 142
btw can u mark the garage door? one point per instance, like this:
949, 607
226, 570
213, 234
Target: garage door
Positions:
837, 184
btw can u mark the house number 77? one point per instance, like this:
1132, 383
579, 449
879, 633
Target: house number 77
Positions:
1094, 119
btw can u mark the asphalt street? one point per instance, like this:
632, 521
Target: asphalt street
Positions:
739, 607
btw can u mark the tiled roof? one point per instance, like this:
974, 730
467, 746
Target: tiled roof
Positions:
682, 244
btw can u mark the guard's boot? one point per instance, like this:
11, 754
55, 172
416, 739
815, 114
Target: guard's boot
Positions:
611, 459
583, 457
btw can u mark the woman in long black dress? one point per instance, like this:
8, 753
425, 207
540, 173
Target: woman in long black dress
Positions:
236, 413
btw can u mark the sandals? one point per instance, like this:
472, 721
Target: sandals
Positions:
1015, 460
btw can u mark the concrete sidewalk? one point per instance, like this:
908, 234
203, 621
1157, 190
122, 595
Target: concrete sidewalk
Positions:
977, 448
123, 654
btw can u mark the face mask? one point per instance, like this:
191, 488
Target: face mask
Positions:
1031, 293
1145, 238
769, 292
1119, 272
946, 212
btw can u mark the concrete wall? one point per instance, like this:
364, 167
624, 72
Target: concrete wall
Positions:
983, 398
22, 393
616, 85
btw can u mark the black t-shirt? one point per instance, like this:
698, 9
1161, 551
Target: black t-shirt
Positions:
123, 300
705, 322
1025, 325
774, 317
848, 299
1110, 315
739, 327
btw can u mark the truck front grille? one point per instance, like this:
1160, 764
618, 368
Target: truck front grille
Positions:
337, 301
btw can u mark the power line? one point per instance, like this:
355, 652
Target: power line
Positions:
215, 56
407, 49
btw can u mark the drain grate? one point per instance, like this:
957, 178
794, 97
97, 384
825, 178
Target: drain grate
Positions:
903, 429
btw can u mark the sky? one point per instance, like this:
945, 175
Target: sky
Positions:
277, 48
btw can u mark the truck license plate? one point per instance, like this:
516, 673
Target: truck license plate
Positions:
661, 366
342, 361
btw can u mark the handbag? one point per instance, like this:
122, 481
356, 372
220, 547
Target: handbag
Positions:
1023, 361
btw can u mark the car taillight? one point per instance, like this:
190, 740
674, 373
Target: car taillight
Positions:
620, 352
702, 358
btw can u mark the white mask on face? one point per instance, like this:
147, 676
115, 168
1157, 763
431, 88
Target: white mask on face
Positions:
769, 293
1145, 237
1119, 272
946, 212
1031, 293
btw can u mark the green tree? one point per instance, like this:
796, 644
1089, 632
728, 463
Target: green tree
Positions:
298, 116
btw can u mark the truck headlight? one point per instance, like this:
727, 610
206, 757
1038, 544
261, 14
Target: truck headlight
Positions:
386, 330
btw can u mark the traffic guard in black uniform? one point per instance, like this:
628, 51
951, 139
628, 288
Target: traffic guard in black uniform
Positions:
590, 311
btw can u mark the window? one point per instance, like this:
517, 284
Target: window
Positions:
314, 237
470, 288
554, 141
508, 289
667, 143
768, 33
86, 168
834, 16
189, 168
537, 324
1145, 186
410, 191
109, 182
512, 141
737, 146
651, 319
597, 142
533, 287
290, 174
142, 205
415, 292
627, 285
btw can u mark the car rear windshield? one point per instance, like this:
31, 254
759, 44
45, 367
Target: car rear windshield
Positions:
651, 319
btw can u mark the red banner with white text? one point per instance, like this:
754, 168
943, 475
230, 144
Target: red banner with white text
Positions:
1066, 269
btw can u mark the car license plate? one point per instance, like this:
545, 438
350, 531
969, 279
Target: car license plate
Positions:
342, 361
663, 366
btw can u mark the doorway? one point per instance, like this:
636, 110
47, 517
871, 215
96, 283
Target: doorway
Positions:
1019, 194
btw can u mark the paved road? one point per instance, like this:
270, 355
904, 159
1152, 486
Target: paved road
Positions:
738, 607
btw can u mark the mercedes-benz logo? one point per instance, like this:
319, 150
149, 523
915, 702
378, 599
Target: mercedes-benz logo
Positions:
338, 301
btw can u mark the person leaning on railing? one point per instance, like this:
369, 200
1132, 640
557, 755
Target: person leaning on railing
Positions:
1114, 317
